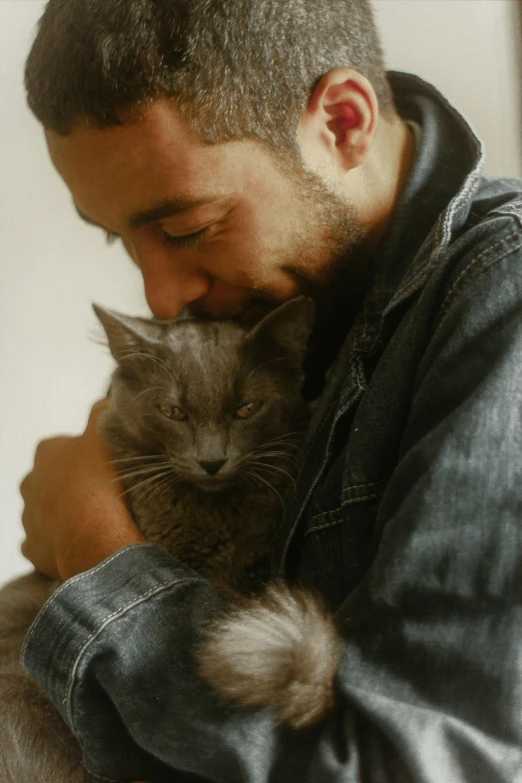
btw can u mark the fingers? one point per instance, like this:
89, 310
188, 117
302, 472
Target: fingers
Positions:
70, 481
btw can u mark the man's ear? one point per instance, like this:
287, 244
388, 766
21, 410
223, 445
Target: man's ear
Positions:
340, 121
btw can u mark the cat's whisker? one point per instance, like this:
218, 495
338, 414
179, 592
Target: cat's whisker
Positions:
276, 474
250, 474
146, 391
139, 484
255, 475
131, 472
282, 454
161, 486
133, 459
150, 492
285, 436
123, 475
123, 478
278, 447
122, 356
266, 483
279, 454
158, 469
166, 485
144, 355
280, 443
268, 466
165, 471
112, 481
166, 479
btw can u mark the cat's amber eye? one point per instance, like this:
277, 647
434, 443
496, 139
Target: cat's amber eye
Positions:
245, 411
171, 412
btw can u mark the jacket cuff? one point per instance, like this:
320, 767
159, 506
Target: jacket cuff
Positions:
82, 606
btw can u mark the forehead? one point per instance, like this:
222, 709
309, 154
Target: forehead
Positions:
205, 341
155, 158
206, 360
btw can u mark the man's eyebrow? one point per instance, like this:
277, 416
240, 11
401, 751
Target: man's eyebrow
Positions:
164, 210
161, 211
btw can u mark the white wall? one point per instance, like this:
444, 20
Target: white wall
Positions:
470, 50
52, 266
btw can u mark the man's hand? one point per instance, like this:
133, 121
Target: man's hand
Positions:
74, 515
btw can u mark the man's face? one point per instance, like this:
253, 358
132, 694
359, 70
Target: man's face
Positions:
223, 229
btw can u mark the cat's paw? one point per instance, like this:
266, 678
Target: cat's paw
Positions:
279, 650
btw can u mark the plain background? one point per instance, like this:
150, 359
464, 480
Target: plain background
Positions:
52, 266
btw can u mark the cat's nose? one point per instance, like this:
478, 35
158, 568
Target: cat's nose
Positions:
212, 467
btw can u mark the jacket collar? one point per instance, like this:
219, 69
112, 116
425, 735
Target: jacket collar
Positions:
437, 198
434, 205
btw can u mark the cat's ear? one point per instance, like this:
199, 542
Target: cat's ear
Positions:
288, 326
126, 334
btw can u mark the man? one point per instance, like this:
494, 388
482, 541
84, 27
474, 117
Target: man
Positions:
244, 153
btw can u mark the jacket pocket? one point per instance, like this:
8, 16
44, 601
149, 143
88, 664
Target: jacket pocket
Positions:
338, 544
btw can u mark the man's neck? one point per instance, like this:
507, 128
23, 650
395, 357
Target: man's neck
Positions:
385, 174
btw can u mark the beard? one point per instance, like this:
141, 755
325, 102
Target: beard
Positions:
327, 254
333, 250
335, 268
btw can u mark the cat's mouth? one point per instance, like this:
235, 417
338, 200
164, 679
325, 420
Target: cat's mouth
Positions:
213, 483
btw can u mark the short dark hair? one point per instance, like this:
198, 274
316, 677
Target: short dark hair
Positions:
236, 68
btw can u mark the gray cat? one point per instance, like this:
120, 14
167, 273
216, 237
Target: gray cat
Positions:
204, 425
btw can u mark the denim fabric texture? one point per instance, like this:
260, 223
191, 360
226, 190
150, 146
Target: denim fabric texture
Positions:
407, 520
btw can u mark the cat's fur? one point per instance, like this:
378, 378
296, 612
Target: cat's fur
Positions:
204, 426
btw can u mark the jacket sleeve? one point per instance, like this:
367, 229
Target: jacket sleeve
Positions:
430, 685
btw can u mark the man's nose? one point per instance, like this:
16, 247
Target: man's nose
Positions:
171, 281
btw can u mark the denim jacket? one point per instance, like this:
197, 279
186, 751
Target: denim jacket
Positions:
407, 519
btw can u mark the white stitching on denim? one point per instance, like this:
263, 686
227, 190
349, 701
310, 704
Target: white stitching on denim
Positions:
487, 252
323, 527
102, 625
443, 227
363, 486
468, 186
337, 510
379, 485
66, 584
323, 514
359, 500
359, 375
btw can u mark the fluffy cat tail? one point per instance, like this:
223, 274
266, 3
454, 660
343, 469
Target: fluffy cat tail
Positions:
279, 650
